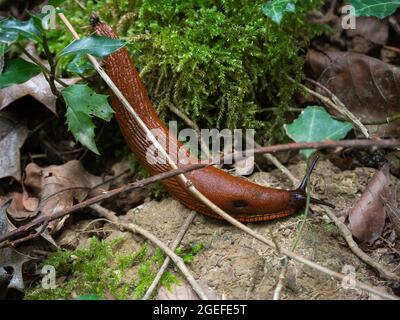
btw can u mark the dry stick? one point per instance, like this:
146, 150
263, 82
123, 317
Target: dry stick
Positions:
113, 219
295, 183
176, 259
280, 166
174, 245
189, 185
45, 70
336, 104
289, 253
173, 173
346, 234
105, 195
281, 280
283, 273
100, 211
191, 124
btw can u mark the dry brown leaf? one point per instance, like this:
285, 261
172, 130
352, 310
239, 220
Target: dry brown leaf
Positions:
393, 213
185, 292
367, 217
58, 186
372, 29
10, 258
37, 87
12, 137
23, 206
367, 86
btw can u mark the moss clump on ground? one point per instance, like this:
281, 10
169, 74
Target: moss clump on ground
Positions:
221, 61
97, 270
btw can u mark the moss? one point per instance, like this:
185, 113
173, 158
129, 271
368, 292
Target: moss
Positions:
188, 253
221, 61
93, 271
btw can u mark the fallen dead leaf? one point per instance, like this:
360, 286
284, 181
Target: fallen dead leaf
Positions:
22, 206
58, 187
372, 29
37, 87
367, 217
367, 86
10, 258
394, 216
12, 137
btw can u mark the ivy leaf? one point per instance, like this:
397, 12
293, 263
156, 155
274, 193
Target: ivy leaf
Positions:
315, 124
94, 45
83, 103
376, 8
7, 36
79, 64
56, 3
13, 26
88, 297
275, 9
3, 49
17, 71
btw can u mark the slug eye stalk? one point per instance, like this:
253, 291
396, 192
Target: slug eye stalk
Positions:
301, 190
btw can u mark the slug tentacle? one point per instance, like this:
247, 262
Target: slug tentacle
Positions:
300, 194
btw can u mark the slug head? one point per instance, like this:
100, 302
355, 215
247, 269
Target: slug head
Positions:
299, 196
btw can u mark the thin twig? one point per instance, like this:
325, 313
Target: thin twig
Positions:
111, 217
40, 64
280, 166
346, 234
335, 103
191, 188
388, 120
104, 212
167, 260
174, 173
171, 254
193, 125
105, 195
81, 5
283, 273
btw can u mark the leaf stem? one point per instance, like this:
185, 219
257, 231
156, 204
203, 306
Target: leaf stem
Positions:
306, 210
45, 70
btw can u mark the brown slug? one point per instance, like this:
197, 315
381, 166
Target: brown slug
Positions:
245, 201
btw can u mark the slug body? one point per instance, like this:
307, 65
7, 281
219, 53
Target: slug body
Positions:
246, 201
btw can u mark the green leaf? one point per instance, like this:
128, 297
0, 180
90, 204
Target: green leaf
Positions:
7, 36
17, 71
82, 104
56, 3
79, 64
87, 297
315, 124
27, 29
94, 45
376, 8
275, 9
3, 49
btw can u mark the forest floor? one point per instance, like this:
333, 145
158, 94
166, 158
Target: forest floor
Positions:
235, 265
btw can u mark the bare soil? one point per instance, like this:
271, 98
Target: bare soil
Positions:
237, 266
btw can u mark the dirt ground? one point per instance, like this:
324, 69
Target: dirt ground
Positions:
237, 266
